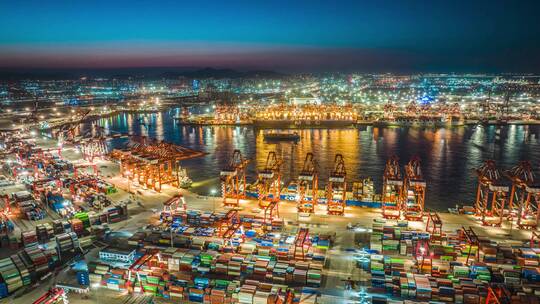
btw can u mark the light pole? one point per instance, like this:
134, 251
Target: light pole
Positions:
128, 174
213, 193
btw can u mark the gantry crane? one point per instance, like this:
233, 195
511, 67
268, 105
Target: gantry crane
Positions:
93, 148
498, 294
302, 243
469, 236
491, 195
173, 205
53, 295
270, 211
93, 144
336, 190
308, 184
7, 205
67, 131
134, 269
228, 225
269, 183
414, 191
524, 195
434, 227
535, 240
153, 163
76, 169
284, 298
233, 179
392, 189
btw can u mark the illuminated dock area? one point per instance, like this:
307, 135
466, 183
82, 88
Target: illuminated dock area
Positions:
236, 248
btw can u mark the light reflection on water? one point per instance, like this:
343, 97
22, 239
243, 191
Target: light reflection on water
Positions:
448, 155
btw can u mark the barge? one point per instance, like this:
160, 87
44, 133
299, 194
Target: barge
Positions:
281, 136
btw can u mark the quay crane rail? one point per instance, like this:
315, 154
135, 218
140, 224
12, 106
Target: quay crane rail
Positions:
308, 184
414, 191
524, 195
491, 195
392, 189
233, 179
336, 190
269, 180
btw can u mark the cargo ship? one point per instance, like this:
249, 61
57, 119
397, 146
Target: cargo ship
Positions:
301, 123
289, 116
281, 136
419, 121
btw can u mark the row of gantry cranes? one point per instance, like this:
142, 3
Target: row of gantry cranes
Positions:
402, 196
508, 195
512, 194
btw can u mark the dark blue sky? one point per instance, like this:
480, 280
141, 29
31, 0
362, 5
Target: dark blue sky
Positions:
382, 35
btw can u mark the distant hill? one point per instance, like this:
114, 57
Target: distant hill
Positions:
125, 73
221, 73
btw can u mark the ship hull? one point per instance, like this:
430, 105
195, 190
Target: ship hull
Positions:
304, 124
418, 124
273, 138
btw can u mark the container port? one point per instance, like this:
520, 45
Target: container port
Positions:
269, 152
262, 241
313, 114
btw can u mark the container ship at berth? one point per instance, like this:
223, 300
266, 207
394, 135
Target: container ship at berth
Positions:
420, 115
419, 121
289, 116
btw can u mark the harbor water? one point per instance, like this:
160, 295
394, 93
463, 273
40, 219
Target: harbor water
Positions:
449, 155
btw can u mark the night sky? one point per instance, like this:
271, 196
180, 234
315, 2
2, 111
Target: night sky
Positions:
303, 35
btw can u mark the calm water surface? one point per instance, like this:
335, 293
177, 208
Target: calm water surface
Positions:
448, 155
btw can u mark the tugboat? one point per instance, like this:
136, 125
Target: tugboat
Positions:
281, 136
